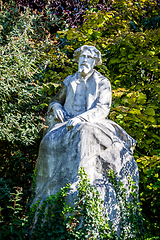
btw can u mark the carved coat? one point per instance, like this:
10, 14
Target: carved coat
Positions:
98, 97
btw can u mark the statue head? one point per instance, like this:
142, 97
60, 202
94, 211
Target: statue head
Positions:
87, 57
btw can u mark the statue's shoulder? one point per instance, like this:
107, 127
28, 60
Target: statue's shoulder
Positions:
100, 78
69, 79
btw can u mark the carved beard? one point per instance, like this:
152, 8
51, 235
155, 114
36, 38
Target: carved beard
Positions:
84, 69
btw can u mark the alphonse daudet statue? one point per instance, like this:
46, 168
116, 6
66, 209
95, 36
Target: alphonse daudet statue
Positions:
81, 135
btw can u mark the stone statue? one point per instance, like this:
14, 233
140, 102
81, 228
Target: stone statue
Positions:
81, 135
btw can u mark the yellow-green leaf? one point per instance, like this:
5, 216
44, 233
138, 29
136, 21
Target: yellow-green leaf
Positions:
150, 111
135, 111
90, 31
151, 119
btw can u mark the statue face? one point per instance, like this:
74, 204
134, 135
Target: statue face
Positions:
86, 62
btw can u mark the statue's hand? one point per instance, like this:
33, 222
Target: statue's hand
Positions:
57, 111
72, 122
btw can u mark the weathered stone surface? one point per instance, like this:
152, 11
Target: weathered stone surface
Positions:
80, 135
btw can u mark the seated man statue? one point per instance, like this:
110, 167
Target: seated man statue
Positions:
81, 135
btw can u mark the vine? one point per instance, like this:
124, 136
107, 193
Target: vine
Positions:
130, 211
86, 220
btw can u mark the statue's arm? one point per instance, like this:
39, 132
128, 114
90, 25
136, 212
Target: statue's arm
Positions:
56, 103
102, 106
60, 96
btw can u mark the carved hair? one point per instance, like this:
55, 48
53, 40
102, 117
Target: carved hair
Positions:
96, 53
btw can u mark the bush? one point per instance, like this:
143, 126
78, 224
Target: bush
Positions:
23, 41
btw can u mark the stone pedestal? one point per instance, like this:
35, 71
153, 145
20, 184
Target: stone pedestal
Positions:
96, 147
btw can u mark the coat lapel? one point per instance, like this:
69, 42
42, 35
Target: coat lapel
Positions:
74, 82
92, 88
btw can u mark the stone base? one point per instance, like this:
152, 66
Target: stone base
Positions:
95, 147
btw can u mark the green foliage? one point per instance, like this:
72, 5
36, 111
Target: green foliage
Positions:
86, 220
50, 222
23, 41
130, 211
5, 197
57, 220
150, 191
13, 228
21, 80
32, 65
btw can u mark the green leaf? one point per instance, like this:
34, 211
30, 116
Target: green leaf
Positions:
151, 119
123, 51
90, 31
113, 60
150, 111
135, 111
